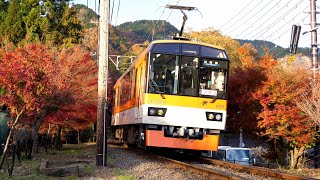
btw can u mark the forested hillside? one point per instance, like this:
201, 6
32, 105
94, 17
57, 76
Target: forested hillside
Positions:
125, 35
278, 51
145, 29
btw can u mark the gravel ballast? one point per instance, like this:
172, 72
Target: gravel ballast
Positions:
123, 163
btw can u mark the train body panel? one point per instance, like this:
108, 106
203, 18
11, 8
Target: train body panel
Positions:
156, 139
180, 111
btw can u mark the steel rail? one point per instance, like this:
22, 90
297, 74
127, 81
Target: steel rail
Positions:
216, 174
256, 170
206, 172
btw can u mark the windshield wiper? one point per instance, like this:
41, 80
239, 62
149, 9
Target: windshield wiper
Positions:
157, 89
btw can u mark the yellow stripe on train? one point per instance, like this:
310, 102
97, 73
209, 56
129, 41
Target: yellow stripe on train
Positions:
185, 101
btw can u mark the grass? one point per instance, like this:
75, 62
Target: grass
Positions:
125, 177
122, 175
28, 169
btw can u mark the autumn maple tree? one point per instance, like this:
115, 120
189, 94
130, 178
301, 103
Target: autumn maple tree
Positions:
41, 82
244, 79
280, 118
310, 102
78, 77
25, 81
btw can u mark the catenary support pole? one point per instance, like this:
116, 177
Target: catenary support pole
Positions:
102, 84
314, 43
314, 52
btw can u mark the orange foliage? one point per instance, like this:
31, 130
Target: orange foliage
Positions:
44, 82
242, 107
25, 77
77, 75
280, 116
246, 55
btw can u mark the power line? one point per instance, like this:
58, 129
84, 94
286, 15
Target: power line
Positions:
307, 40
268, 19
236, 27
247, 5
158, 20
172, 10
111, 11
155, 24
258, 19
273, 23
253, 15
99, 9
117, 13
259, 34
288, 30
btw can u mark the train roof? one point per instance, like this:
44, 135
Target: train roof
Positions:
184, 41
172, 41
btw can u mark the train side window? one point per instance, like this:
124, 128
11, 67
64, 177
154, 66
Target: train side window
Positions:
136, 81
164, 70
125, 89
133, 83
119, 95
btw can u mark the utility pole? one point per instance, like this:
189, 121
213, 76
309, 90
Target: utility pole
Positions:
314, 51
314, 43
102, 104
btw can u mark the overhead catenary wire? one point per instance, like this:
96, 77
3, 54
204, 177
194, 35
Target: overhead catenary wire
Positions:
258, 20
117, 13
153, 28
270, 17
172, 10
99, 9
305, 41
261, 33
247, 5
243, 18
253, 15
111, 11
288, 30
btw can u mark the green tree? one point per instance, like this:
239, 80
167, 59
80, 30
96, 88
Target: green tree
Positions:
50, 22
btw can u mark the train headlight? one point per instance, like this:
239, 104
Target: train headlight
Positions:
213, 116
155, 111
210, 116
160, 112
152, 112
218, 117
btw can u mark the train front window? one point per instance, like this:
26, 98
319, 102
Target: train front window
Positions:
213, 78
189, 76
164, 73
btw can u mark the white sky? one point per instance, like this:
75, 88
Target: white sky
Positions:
269, 20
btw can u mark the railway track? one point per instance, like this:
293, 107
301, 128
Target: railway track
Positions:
215, 169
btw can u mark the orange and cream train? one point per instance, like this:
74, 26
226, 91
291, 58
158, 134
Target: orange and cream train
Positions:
173, 96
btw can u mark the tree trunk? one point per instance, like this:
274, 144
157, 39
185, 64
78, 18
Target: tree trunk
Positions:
58, 137
35, 130
295, 156
78, 137
282, 152
4, 154
10, 170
